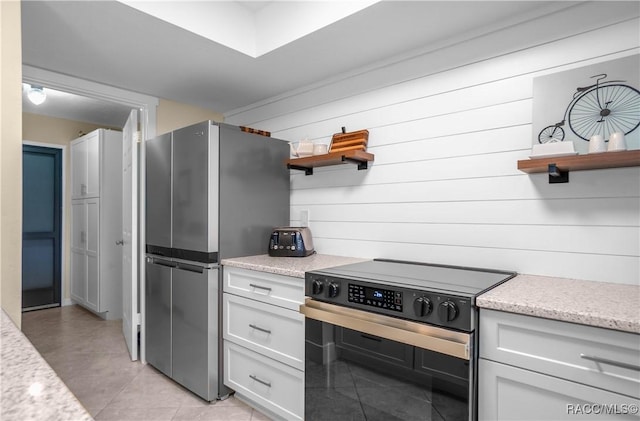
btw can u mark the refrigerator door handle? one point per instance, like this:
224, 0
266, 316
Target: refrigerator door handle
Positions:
191, 268
160, 262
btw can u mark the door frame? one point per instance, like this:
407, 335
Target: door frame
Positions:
63, 213
148, 123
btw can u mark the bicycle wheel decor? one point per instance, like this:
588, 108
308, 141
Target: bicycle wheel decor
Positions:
605, 109
551, 134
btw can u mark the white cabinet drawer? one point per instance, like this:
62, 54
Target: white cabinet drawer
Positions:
593, 356
283, 291
511, 393
273, 331
265, 382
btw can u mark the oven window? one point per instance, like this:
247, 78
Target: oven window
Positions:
355, 376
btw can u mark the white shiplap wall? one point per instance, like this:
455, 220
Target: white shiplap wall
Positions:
444, 186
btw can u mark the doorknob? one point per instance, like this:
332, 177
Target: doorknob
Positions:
120, 243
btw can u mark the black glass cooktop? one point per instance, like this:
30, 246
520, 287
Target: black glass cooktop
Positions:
458, 280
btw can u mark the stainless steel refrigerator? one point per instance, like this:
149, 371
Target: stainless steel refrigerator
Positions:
213, 191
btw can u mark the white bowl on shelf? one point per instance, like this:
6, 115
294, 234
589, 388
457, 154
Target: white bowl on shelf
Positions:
552, 149
301, 149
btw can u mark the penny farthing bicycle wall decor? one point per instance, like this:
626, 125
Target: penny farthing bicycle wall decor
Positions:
602, 108
607, 102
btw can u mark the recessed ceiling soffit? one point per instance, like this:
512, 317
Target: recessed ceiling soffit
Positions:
252, 28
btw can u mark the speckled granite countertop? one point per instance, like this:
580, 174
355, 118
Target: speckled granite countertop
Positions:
600, 304
290, 266
31, 390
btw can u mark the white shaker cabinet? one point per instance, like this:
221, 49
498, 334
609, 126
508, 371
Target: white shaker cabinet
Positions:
96, 222
264, 340
86, 160
539, 369
79, 250
85, 252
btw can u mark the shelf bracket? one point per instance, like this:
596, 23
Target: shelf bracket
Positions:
362, 165
556, 175
307, 170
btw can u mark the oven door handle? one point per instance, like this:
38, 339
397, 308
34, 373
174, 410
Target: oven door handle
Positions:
455, 344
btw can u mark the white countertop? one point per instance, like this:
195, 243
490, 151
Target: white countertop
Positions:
289, 266
600, 304
31, 390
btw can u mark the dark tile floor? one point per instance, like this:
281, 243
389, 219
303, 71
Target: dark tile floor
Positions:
90, 356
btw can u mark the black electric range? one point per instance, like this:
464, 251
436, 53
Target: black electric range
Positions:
434, 294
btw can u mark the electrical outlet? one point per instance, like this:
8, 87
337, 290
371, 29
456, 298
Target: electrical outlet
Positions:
304, 218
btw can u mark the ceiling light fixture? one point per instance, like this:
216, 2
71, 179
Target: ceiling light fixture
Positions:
36, 94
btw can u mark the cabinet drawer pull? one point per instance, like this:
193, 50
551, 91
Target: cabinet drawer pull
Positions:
610, 362
260, 287
260, 329
268, 384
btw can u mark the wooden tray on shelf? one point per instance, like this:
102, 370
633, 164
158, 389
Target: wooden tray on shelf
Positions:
352, 141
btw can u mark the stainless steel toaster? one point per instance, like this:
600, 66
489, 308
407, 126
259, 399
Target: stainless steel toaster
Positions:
291, 242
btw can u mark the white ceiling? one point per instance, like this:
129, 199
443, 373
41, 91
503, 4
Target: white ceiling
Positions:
114, 44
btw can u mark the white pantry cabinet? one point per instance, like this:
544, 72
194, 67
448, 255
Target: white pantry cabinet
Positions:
264, 340
96, 222
539, 369
85, 168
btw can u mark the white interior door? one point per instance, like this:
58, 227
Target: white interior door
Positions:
130, 313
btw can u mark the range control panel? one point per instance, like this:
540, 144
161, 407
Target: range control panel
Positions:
432, 307
375, 297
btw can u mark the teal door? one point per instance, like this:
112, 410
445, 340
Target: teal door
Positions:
41, 227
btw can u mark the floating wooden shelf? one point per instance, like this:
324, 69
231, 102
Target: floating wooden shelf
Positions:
559, 166
583, 162
307, 164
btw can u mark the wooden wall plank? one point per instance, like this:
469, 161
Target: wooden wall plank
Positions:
604, 268
616, 212
350, 186
620, 241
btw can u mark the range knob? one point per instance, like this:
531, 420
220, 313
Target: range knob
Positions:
316, 287
422, 306
447, 311
334, 289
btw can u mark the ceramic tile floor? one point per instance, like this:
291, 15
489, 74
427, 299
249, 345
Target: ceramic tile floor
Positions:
90, 356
